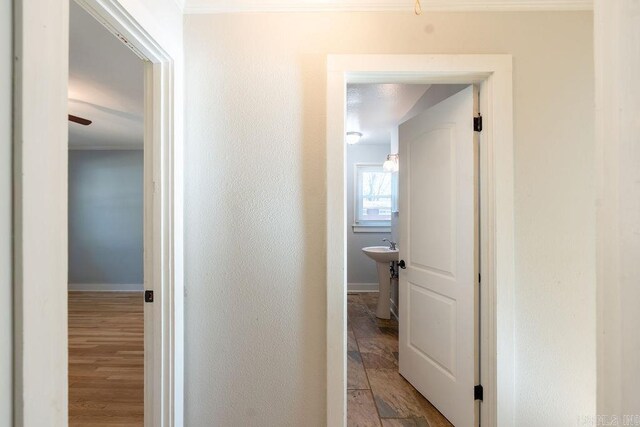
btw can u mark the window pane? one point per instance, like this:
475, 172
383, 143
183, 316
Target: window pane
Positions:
376, 196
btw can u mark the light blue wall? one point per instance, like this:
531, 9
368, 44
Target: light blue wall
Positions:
106, 219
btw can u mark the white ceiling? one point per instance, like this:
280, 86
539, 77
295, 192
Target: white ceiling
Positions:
106, 85
375, 109
222, 6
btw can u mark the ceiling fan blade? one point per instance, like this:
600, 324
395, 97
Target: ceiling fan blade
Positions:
79, 120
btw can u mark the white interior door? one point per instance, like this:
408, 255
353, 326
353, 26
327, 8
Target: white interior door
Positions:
438, 242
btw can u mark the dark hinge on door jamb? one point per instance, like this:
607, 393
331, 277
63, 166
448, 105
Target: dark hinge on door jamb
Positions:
477, 392
477, 123
148, 296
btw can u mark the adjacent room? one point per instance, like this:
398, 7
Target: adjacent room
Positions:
106, 230
389, 380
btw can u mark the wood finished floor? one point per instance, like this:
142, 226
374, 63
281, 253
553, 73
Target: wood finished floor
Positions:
377, 395
106, 359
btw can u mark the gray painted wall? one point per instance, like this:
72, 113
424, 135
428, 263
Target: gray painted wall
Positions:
360, 268
6, 297
431, 97
105, 219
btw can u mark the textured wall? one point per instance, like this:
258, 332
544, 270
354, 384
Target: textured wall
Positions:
255, 204
361, 268
105, 219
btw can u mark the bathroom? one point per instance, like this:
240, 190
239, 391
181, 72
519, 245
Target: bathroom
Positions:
376, 390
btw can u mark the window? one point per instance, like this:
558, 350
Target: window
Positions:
372, 196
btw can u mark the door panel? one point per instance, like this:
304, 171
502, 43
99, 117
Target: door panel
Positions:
438, 243
430, 211
437, 344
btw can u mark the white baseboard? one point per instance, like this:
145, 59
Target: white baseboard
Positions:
394, 310
362, 287
106, 287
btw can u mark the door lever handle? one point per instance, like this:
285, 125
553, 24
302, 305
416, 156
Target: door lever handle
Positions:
402, 265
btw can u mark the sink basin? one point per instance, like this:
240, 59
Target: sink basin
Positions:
381, 253
383, 256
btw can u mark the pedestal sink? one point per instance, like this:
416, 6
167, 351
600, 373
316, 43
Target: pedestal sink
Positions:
383, 256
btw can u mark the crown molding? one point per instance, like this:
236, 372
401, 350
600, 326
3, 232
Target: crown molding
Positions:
249, 6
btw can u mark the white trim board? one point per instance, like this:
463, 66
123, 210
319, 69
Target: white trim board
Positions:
357, 228
106, 148
617, 65
106, 287
222, 6
494, 75
40, 77
362, 287
394, 311
6, 206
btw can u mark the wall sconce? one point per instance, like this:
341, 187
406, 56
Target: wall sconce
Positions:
391, 165
353, 137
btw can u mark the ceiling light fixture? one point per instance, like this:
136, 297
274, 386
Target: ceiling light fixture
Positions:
353, 137
391, 165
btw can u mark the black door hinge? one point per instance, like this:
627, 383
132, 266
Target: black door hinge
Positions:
477, 392
477, 123
148, 296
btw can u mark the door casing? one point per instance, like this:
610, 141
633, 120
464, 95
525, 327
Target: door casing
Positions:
493, 74
40, 223
158, 202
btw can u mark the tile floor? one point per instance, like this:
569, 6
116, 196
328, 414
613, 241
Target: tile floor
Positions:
376, 393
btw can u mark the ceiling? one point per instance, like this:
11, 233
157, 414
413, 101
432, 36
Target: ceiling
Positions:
222, 6
106, 85
375, 109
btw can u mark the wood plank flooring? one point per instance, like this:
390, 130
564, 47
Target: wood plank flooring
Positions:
377, 395
106, 359
106, 365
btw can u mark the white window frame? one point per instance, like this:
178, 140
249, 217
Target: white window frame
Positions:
364, 226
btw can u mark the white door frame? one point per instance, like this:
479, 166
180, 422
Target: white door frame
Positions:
494, 75
36, 216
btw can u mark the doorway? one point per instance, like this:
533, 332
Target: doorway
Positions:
492, 74
40, 211
412, 353
106, 226
162, 305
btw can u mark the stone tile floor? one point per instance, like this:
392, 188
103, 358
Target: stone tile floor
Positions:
377, 395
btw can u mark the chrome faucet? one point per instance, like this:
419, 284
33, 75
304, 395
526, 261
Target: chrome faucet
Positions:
392, 244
